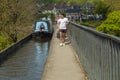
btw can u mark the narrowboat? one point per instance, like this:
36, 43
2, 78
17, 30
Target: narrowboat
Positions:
43, 30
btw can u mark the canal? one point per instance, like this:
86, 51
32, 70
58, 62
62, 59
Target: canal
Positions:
26, 63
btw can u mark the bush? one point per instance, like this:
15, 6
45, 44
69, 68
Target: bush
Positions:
4, 42
111, 25
52, 16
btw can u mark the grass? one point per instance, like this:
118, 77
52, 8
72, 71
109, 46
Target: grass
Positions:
92, 23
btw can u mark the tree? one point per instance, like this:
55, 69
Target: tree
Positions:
114, 4
15, 14
101, 7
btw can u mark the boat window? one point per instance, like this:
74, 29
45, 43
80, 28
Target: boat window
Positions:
40, 24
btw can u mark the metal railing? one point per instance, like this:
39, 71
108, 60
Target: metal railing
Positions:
99, 53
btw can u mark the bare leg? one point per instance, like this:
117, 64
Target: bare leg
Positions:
61, 37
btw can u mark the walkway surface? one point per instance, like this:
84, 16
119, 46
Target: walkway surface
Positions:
62, 63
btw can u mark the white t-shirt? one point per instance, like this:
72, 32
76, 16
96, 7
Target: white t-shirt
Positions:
63, 23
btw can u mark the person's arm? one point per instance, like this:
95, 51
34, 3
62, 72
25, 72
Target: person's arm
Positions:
67, 21
58, 23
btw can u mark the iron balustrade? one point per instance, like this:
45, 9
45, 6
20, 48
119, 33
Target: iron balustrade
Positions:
99, 53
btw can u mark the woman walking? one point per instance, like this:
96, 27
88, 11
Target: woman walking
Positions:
62, 23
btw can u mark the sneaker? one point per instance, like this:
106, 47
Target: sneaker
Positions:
61, 44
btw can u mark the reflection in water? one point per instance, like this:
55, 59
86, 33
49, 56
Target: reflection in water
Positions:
27, 63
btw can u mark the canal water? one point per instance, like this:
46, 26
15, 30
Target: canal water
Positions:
26, 63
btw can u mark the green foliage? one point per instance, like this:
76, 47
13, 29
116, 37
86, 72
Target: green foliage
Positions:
4, 41
52, 16
46, 2
58, 1
112, 24
101, 7
16, 18
114, 4
69, 2
91, 23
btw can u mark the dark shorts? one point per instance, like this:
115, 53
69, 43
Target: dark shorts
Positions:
63, 30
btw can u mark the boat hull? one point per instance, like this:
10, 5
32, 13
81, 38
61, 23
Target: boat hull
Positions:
42, 36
